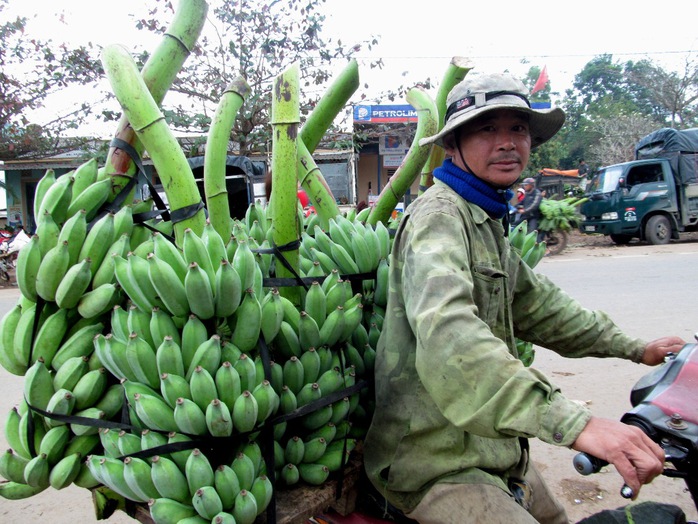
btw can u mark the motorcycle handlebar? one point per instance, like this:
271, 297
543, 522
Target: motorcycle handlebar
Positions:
587, 464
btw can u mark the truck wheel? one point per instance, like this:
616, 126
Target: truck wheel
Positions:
658, 230
621, 240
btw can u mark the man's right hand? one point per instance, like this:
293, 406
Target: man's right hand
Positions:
637, 458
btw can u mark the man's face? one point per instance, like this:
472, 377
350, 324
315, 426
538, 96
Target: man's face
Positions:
495, 146
528, 188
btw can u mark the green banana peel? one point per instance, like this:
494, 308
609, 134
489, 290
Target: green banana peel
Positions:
316, 187
156, 136
216, 154
409, 170
158, 73
455, 72
285, 119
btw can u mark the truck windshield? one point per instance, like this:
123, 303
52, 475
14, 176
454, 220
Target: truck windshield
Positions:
605, 180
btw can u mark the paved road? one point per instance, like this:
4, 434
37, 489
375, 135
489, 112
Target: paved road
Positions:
648, 290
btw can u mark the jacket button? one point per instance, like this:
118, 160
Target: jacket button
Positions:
557, 437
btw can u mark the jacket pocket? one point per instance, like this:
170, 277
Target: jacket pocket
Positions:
489, 293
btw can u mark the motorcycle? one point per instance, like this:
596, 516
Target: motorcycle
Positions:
10, 245
665, 408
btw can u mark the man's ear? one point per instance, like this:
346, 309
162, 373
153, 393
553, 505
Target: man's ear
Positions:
449, 142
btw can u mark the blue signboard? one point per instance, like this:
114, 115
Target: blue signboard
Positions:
382, 114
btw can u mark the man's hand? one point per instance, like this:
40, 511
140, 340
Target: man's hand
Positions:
656, 350
636, 457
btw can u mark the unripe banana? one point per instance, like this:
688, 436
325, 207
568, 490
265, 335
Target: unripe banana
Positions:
50, 335
141, 359
228, 387
91, 198
337, 295
137, 474
23, 336
330, 381
194, 333
245, 412
74, 232
294, 450
310, 392
62, 402
227, 290
74, 284
173, 387
88, 413
169, 479
333, 328
38, 385
98, 241
194, 251
203, 388
8, 328
37, 470
355, 359
316, 304
42, 186
207, 355
287, 400
227, 485
308, 332
18, 490
272, 314
128, 283
248, 322
384, 239
290, 474
168, 357
162, 325
12, 434
152, 439
123, 221
12, 466
81, 444
362, 253
54, 443
80, 343
287, 342
154, 412
244, 469
168, 511
314, 449
99, 300
27, 264
112, 401
311, 365
65, 471
267, 400
294, 374
198, 471
56, 201
128, 443
244, 263
168, 286
219, 419
167, 252
291, 313
84, 176
313, 474
189, 417
52, 270
207, 503
48, 232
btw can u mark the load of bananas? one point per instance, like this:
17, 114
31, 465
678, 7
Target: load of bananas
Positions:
114, 317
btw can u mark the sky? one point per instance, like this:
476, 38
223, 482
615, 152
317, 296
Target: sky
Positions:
418, 42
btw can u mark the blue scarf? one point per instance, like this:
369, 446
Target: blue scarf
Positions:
474, 190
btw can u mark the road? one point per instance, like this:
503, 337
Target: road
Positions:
647, 290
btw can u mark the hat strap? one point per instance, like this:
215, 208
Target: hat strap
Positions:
477, 101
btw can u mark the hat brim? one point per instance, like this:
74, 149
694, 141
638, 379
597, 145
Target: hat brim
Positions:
543, 123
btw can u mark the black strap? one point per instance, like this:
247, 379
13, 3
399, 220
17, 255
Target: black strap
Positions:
470, 101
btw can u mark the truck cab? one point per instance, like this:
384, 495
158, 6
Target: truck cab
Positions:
635, 199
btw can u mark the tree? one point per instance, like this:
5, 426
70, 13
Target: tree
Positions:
257, 41
31, 70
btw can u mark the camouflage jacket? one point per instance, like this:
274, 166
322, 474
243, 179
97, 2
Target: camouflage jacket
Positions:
452, 398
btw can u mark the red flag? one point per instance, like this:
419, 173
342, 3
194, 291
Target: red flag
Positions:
542, 80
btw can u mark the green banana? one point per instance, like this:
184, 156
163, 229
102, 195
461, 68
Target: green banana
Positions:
128, 443
8, 327
128, 283
287, 342
267, 400
84, 176
308, 393
167, 252
123, 222
65, 471
99, 239
207, 355
198, 471
154, 412
47, 232
74, 284
168, 511
214, 244
294, 450
227, 485
90, 388
12, 466
56, 201
245, 411
244, 469
91, 413
189, 417
111, 471
313, 474
219, 419
383, 239
138, 477
52, 270
294, 374
38, 385
37, 470
139, 269
169, 479
248, 322
27, 264
207, 503
138, 322
174, 387
316, 304
112, 401
263, 491
308, 332
314, 449
246, 368
74, 232
19, 491
163, 325
244, 263
199, 291
228, 386
194, 251
290, 474
99, 300
42, 186
81, 444
91, 198
141, 359
227, 290
50, 335
12, 434
203, 387
333, 327
62, 402
362, 253
168, 357
119, 323
343, 259
194, 333
168, 286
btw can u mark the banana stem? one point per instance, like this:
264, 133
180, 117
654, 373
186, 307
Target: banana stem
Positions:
414, 160
153, 132
215, 158
316, 187
455, 72
285, 119
158, 73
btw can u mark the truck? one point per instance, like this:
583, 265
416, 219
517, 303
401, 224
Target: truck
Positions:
653, 198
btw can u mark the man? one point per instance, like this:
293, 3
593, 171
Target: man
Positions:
529, 209
454, 405
583, 168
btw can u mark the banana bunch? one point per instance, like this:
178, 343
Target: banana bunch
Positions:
526, 243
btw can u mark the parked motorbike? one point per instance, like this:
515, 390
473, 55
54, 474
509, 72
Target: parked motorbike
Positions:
665, 407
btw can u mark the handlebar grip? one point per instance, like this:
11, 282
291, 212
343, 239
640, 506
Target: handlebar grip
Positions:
586, 464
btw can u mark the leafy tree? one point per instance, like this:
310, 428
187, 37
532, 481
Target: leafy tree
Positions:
31, 70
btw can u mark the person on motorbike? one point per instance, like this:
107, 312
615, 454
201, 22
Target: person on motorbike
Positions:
529, 209
455, 407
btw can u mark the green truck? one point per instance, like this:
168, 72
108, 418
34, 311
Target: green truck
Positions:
653, 198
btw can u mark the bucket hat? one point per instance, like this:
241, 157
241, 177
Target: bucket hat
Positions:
478, 94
